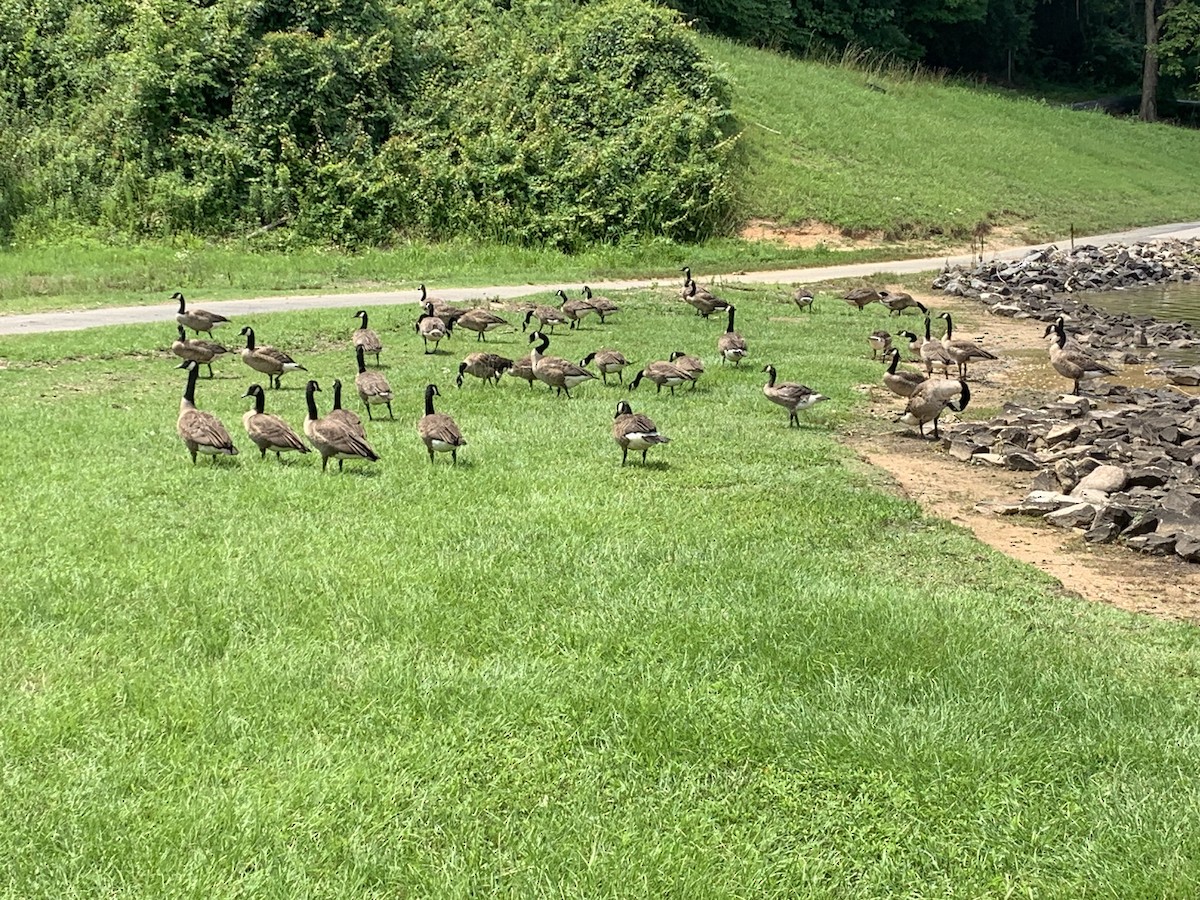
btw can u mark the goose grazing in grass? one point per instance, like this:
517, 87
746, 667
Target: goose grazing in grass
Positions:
574, 310
731, 345
1074, 364
440, 308
269, 432
881, 342
431, 328
523, 368
861, 297
693, 365
636, 431
602, 305
333, 438
201, 431
437, 430
372, 387
663, 374
899, 301
203, 352
267, 359
608, 362
803, 298
901, 383
791, 396
558, 373
933, 353
932, 398
197, 319
547, 317
488, 366
705, 303
962, 352
481, 321
364, 338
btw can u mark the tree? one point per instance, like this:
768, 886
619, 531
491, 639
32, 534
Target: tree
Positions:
1149, 109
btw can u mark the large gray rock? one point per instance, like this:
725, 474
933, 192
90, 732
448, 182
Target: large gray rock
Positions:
1106, 479
1079, 515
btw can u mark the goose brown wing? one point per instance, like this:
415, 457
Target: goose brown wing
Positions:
273, 431
205, 429
441, 427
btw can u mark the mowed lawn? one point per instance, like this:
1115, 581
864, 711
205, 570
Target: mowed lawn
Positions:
743, 670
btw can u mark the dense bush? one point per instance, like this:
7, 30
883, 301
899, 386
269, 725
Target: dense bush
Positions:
357, 121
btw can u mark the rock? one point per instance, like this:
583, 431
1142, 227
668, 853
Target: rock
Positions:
1182, 502
1188, 548
1157, 544
1112, 514
1106, 479
1150, 476
964, 450
1061, 434
1022, 462
1078, 516
1046, 480
1103, 533
1045, 501
1143, 523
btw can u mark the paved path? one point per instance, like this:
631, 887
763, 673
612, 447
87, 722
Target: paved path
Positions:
34, 323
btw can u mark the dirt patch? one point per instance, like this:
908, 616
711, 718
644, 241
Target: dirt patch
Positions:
810, 234
960, 493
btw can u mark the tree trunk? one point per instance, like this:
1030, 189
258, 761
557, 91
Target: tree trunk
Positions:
1149, 110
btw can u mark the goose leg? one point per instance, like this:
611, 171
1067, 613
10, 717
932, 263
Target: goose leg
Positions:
389, 409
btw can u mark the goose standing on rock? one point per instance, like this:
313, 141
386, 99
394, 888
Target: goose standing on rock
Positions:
962, 352
333, 438
901, 383
431, 328
267, 359
201, 431
372, 387
636, 431
900, 301
662, 374
364, 338
201, 351
1074, 364
932, 398
438, 431
731, 345
791, 396
269, 432
197, 319
602, 305
608, 362
555, 371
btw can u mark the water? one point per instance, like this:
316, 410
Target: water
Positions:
1176, 301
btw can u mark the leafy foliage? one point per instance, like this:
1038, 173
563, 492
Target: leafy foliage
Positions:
357, 121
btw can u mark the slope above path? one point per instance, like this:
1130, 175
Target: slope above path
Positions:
75, 320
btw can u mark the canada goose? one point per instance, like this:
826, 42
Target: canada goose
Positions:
431, 328
1073, 364
803, 298
607, 362
693, 365
899, 382
933, 353
548, 316
481, 321
555, 371
962, 352
702, 289
488, 366
201, 431
346, 416
365, 338
791, 396
267, 359
881, 342
372, 386
914, 345
438, 430
900, 301
333, 438
636, 431
269, 432
574, 310
1052, 333
197, 319
663, 374
523, 368
705, 303
602, 305
861, 297
731, 345
443, 310
932, 398
201, 351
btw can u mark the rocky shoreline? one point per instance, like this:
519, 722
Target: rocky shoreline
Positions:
1121, 464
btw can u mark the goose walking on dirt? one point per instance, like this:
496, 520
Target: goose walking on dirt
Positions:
932, 398
962, 352
901, 383
791, 396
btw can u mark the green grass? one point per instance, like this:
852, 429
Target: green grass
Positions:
743, 670
930, 154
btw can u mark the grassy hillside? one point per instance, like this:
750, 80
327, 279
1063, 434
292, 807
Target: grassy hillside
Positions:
739, 671
920, 155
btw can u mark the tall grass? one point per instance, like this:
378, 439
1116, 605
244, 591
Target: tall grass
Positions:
741, 670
